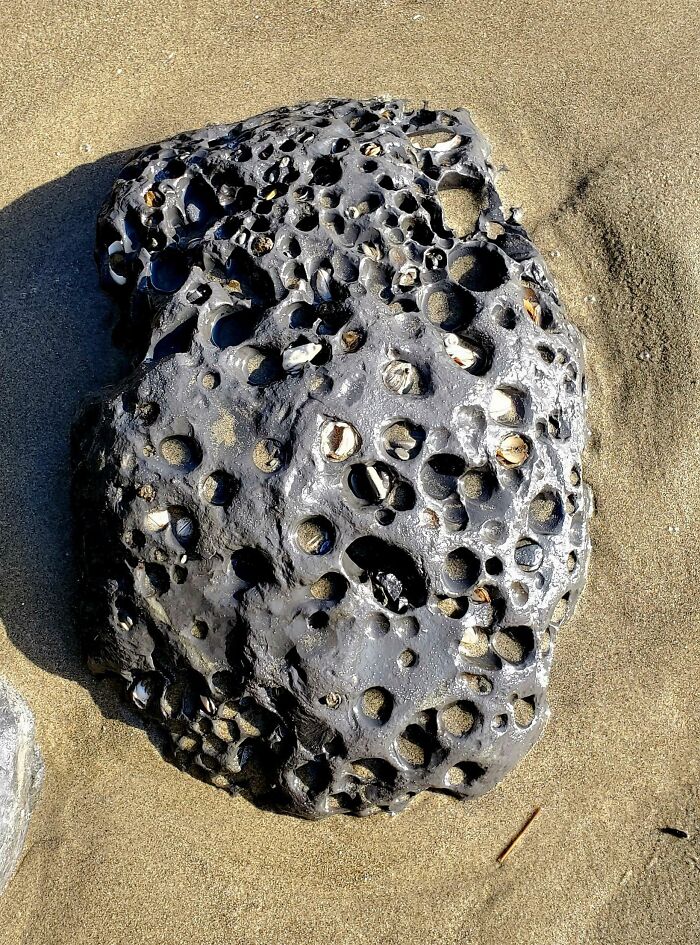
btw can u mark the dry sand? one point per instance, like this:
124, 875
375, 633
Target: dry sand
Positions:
595, 111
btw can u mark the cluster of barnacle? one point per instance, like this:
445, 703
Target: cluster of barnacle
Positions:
329, 525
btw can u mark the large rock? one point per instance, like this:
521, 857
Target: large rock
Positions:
21, 773
329, 526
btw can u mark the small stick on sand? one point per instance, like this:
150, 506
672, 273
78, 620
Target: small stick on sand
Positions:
505, 853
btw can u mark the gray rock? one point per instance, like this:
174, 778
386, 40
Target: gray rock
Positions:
21, 774
330, 524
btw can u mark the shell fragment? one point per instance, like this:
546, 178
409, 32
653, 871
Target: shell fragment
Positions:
339, 440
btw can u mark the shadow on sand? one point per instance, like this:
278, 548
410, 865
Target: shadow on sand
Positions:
55, 348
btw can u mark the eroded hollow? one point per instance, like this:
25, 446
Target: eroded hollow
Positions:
479, 268
439, 474
546, 513
232, 326
389, 572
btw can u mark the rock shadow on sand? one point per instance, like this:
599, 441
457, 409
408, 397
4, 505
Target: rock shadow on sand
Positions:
56, 349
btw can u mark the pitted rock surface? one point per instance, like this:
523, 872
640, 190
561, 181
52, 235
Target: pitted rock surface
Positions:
330, 524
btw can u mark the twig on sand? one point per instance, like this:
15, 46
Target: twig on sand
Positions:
506, 852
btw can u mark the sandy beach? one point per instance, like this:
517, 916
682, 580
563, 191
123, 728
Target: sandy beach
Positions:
594, 111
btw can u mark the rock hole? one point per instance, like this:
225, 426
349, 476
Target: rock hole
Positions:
318, 620
493, 566
429, 139
479, 269
315, 535
198, 294
479, 684
315, 776
402, 497
519, 593
546, 513
326, 171
528, 554
307, 222
182, 526
377, 626
201, 204
454, 608
405, 202
513, 644
479, 484
384, 516
508, 405
232, 326
200, 629
524, 711
376, 705
473, 355
560, 611
260, 367
218, 488
391, 573
180, 452
407, 658
513, 451
414, 747
459, 718
330, 587
439, 474
449, 307
373, 769
504, 317
169, 270
403, 439
178, 341
403, 378
460, 571
462, 200
464, 775
250, 567
268, 455
368, 484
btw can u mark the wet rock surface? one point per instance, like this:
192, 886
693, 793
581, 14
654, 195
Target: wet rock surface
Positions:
21, 773
329, 526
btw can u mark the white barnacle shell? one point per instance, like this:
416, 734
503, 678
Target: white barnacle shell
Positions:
505, 406
381, 482
401, 377
474, 642
208, 705
513, 451
372, 251
157, 520
141, 693
297, 355
116, 249
408, 277
462, 353
339, 440
323, 283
